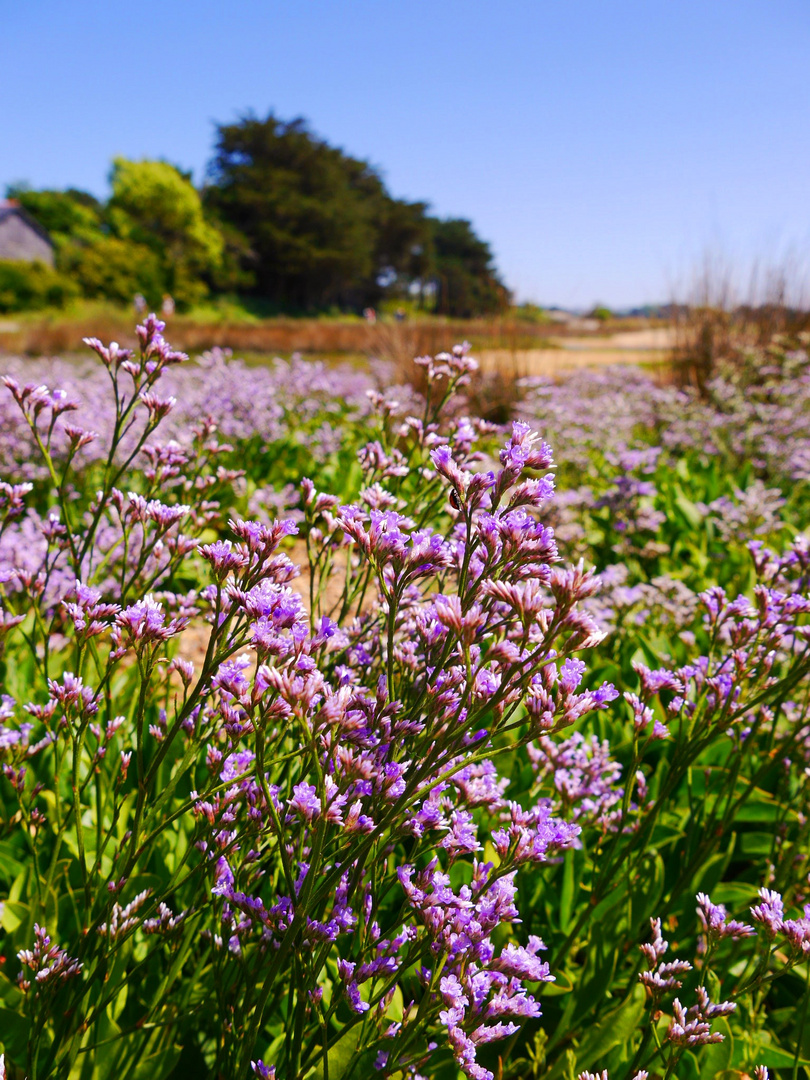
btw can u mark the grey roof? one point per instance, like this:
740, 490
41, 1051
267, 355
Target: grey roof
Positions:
9, 207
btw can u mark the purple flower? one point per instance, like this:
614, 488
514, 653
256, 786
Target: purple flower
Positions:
266, 1072
522, 963
769, 912
236, 764
715, 923
692, 1027
356, 1003
223, 885
48, 963
305, 801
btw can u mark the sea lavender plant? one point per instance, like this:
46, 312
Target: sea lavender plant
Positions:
325, 775
265, 822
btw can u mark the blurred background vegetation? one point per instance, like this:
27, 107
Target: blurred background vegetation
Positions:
283, 224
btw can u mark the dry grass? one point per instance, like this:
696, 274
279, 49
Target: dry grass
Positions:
54, 334
707, 335
507, 348
723, 322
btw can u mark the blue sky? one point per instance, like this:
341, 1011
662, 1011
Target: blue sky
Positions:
601, 146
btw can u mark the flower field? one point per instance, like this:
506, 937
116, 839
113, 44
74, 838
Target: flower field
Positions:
345, 734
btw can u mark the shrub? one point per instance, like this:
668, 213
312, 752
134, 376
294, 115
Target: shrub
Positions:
113, 269
27, 286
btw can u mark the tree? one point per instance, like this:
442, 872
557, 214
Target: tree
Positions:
404, 254
151, 237
310, 213
101, 265
114, 269
155, 205
467, 283
283, 216
320, 227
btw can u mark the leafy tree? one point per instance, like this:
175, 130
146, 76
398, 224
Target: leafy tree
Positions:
321, 228
94, 262
284, 216
466, 280
114, 269
309, 212
404, 255
154, 205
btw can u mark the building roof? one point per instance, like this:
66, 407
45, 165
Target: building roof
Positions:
9, 207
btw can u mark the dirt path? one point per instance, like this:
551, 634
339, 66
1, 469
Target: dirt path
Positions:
628, 347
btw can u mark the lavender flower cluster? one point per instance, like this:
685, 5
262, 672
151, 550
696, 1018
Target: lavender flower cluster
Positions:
305, 796
757, 415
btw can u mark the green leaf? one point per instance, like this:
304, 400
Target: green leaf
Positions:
340, 1055
9, 991
777, 1058
10, 866
763, 810
14, 1028
396, 1006
735, 894
16, 890
689, 510
567, 891
614, 1027
561, 985
14, 915
756, 843
716, 1057
157, 1066
645, 902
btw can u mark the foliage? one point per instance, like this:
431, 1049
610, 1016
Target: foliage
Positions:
322, 229
150, 238
28, 286
153, 204
285, 219
466, 281
378, 818
115, 269
320, 224
69, 216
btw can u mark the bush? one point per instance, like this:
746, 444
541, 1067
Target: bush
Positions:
113, 269
32, 286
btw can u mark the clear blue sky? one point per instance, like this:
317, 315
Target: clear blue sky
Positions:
600, 145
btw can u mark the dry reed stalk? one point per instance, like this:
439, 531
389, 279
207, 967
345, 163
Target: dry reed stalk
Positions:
720, 323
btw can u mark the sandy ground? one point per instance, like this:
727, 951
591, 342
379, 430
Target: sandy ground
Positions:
628, 347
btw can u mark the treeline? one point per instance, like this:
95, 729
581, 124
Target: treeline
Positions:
282, 218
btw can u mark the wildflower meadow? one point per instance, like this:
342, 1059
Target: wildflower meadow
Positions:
345, 734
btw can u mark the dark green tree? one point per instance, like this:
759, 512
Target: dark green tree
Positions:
309, 213
320, 227
464, 273
404, 254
